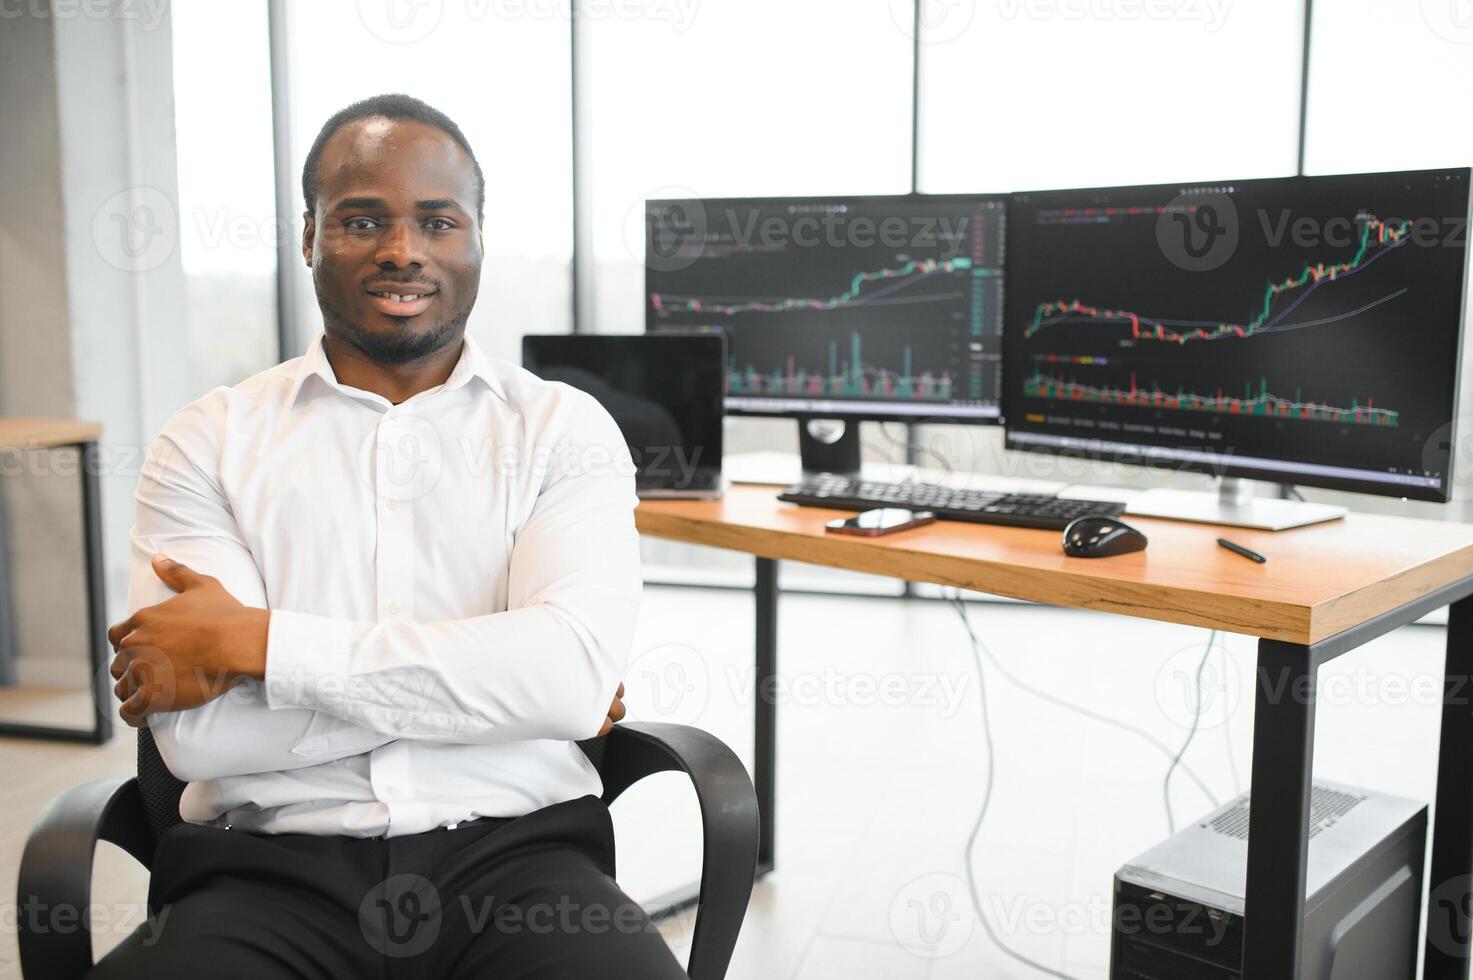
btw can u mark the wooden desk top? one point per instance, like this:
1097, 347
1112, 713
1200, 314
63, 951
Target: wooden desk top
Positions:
1319, 580
44, 433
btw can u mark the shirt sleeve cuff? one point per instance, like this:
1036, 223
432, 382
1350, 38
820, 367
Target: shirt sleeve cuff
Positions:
307, 661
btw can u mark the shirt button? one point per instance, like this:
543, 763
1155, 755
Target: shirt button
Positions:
393, 505
400, 724
393, 609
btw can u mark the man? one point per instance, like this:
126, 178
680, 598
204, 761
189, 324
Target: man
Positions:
379, 591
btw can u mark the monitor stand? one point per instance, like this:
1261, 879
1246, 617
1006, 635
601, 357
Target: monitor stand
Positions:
828, 446
1234, 504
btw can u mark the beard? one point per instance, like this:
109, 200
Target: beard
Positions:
395, 346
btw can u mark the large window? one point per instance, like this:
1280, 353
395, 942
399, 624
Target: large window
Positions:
1388, 86
1020, 95
502, 72
730, 98
227, 209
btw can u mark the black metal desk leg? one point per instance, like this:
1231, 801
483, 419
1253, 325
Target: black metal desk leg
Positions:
764, 745
1450, 901
1278, 820
764, 742
98, 648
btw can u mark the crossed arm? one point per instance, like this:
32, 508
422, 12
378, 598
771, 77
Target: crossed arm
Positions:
229, 687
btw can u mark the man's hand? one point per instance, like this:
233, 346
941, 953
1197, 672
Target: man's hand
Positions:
616, 712
187, 650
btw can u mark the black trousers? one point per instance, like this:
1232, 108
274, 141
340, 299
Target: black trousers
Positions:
508, 899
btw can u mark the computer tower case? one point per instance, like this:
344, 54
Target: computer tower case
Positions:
1178, 908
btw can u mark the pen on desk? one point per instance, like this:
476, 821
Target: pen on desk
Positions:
1239, 549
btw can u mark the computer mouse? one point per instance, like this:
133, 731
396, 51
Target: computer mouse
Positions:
1101, 537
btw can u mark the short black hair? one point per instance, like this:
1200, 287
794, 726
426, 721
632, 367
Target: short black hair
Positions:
393, 105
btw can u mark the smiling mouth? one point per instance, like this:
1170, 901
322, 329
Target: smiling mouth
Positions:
403, 301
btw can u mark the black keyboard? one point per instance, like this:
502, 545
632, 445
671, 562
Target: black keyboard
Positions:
947, 503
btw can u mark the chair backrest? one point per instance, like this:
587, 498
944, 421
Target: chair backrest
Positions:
161, 789
158, 786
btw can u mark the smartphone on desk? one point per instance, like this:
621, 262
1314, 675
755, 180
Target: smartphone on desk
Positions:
881, 520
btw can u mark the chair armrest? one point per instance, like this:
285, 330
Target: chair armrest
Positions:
729, 825
56, 873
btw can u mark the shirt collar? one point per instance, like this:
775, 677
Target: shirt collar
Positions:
473, 364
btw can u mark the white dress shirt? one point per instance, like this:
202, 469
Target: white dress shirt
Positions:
453, 584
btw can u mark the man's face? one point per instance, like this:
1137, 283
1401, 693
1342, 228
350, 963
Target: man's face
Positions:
394, 245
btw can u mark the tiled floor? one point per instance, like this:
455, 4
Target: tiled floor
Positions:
882, 766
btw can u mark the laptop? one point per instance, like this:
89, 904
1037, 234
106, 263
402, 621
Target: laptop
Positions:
667, 392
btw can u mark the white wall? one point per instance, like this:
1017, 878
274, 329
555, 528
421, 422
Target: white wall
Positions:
91, 293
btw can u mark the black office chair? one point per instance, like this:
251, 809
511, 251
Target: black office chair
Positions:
56, 869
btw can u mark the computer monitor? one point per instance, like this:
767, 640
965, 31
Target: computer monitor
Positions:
1300, 330
838, 308
663, 392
